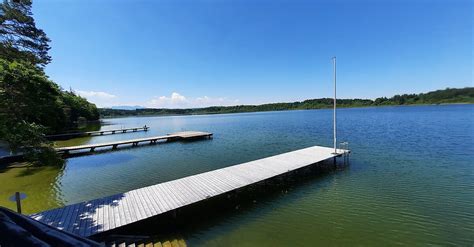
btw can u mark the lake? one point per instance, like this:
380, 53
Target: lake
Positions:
410, 179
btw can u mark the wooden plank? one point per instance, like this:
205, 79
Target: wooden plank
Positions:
91, 212
56, 216
238, 178
152, 201
63, 218
118, 211
201, 194
193, 188
204, 187
134, 204
219, 183
170, 189
191, 195
143, 202
130, 208
167, 197
126, 211
106, 215
85, 220
78, 220
184, 192
75, 212
158, 194
173, 199
68, 217
100, 215
158, 198
94, 218
110, 212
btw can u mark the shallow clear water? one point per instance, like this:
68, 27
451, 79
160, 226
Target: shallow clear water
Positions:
410, 179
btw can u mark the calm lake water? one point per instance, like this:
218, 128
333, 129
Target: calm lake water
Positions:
410, 179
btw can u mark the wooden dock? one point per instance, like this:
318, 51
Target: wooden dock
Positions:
152, 140
97, 132
100, 215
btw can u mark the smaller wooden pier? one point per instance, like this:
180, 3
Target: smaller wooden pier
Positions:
185, 135
98, 132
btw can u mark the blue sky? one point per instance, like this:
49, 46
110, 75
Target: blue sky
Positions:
221, 52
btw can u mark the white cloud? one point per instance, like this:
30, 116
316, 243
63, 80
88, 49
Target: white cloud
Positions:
101, 99
94, 94
177, 100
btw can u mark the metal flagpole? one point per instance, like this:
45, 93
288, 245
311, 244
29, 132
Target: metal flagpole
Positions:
334, 115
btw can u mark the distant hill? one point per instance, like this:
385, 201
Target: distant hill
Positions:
444, 96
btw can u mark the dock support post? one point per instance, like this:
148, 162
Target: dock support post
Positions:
92, 149
113, 132
114, 146
175, 214
18, 202
101, 133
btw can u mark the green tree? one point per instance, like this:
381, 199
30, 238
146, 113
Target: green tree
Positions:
31, 105
28, 103
20, 38
28, 95
76, 108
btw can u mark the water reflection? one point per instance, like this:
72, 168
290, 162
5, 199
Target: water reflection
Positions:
41, 185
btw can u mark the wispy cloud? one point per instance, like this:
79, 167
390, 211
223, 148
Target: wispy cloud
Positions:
95, 94
176, 100
101, 99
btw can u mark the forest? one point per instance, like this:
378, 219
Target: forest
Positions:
445, 96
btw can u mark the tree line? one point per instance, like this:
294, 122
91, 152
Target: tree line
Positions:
31, 105
449, 95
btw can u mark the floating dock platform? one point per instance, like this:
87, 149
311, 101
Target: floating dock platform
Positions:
104, 214
185, 135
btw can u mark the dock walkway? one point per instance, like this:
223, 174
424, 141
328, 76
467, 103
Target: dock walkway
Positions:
100, 215
170, 137
98, 132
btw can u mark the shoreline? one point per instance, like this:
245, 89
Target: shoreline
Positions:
326, 108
